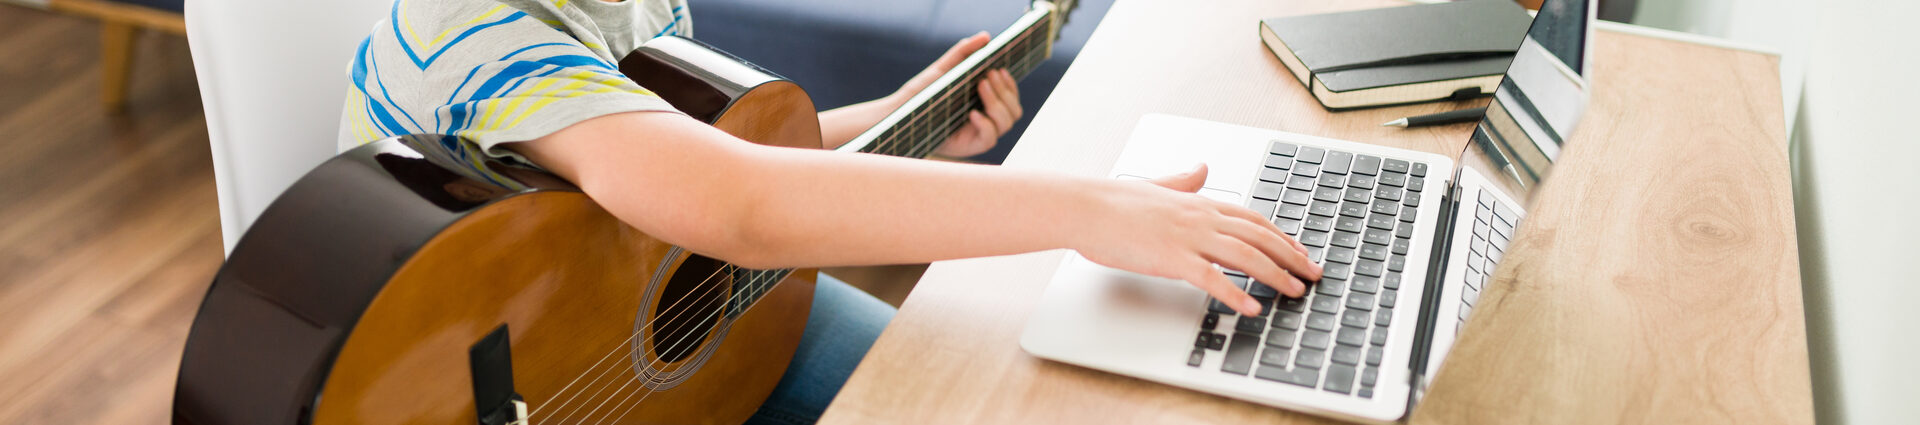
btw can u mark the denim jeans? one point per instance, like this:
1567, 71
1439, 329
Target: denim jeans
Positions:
842, 326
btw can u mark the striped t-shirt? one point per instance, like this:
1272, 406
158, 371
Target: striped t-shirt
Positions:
499, 71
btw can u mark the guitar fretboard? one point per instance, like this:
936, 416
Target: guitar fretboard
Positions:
928, 118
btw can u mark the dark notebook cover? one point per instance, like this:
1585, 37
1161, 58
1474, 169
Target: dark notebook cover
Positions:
1373, 37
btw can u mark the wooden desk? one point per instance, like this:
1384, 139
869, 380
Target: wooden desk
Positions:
1656, 279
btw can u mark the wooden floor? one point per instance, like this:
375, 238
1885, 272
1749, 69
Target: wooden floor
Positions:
108, 225
109, 229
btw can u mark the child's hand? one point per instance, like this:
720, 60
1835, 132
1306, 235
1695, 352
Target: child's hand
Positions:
1161, 228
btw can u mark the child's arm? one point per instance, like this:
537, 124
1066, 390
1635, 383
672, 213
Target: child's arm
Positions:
757, 206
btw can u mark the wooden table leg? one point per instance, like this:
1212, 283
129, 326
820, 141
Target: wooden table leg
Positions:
116, 50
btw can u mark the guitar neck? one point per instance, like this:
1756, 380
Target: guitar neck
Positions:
917, 127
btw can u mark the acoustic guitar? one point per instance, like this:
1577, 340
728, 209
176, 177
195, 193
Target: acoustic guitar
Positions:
416, 280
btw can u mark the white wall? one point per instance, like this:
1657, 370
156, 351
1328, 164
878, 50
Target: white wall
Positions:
1855, 138
1857, 142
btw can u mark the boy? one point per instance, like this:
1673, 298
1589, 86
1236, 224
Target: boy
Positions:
535, 80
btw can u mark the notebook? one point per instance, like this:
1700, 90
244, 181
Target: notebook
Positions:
1399, 55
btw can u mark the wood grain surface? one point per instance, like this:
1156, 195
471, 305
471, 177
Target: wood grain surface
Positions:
1656, 283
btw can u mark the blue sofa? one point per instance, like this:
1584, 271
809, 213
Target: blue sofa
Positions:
848, 51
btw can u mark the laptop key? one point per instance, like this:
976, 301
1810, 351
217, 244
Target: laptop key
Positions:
1400, 246
1327, 194
1390, 281
1296, 305
1373, 251
1383, 318
1398, 263
1324, 224
1312, 238
1296, 183
1395, 166
1386, 178
1346, 355
1311, 154
1283, 339
1210, 321
1216, 341
1408, 215
1327, 305
1355, 318
1379, 206
1353, 209
1339, 379
1361, 181
1316, 254
1289, 320
1376, 221
1360, 301
1262, 207
1345, 239
1333, 180
1202, 340
1366, 164
1350, 224
1305, 377
1282, 148
1369, 268
1335, 270
1307, 170
1389, 297
1273, 357
1341, 255
1267, 190
1324, 209
1389, 193
1419, 169
1288, 225
1377, 237
1351, 336
1309, 358
1322, 321
1364, 284
1416, 183
1337, 162
1216, 306
1252, 325
1469, 295
1373, 358
1405, 231
1379, 337
1355, 194
1296, 197
1193, 359
1330, 287
1364, 392
1239, 359
1286, 211
1280, 162
1411, 200
1315, 339
1262, 291
1273, 175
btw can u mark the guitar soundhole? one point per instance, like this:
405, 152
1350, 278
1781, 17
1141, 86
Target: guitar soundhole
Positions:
689, 307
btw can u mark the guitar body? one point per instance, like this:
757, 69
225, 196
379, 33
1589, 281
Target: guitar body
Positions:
415, 280
359, 295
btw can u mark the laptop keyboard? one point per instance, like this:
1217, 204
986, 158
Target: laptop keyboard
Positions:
1355, 214
1493, 224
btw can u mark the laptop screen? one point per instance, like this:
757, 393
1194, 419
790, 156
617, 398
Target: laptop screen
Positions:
1538, 103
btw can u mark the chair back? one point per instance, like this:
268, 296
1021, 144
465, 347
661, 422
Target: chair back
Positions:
273, 76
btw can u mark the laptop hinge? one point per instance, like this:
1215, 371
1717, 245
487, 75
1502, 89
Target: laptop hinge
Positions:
1430, 300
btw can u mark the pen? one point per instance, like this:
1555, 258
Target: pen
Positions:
1449, 117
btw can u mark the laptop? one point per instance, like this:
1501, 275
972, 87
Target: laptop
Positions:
1408, 240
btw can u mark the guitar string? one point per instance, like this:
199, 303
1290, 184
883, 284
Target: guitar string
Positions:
616, 349
1024, 60
1020, 64
659, 361
675, 325
946, 93
755, 284
923, 147
643, 398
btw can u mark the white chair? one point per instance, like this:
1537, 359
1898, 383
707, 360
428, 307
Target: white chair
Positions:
273, 75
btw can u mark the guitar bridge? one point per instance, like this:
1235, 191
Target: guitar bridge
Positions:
491, 361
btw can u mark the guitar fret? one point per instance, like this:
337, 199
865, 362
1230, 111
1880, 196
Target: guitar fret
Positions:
928, 124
